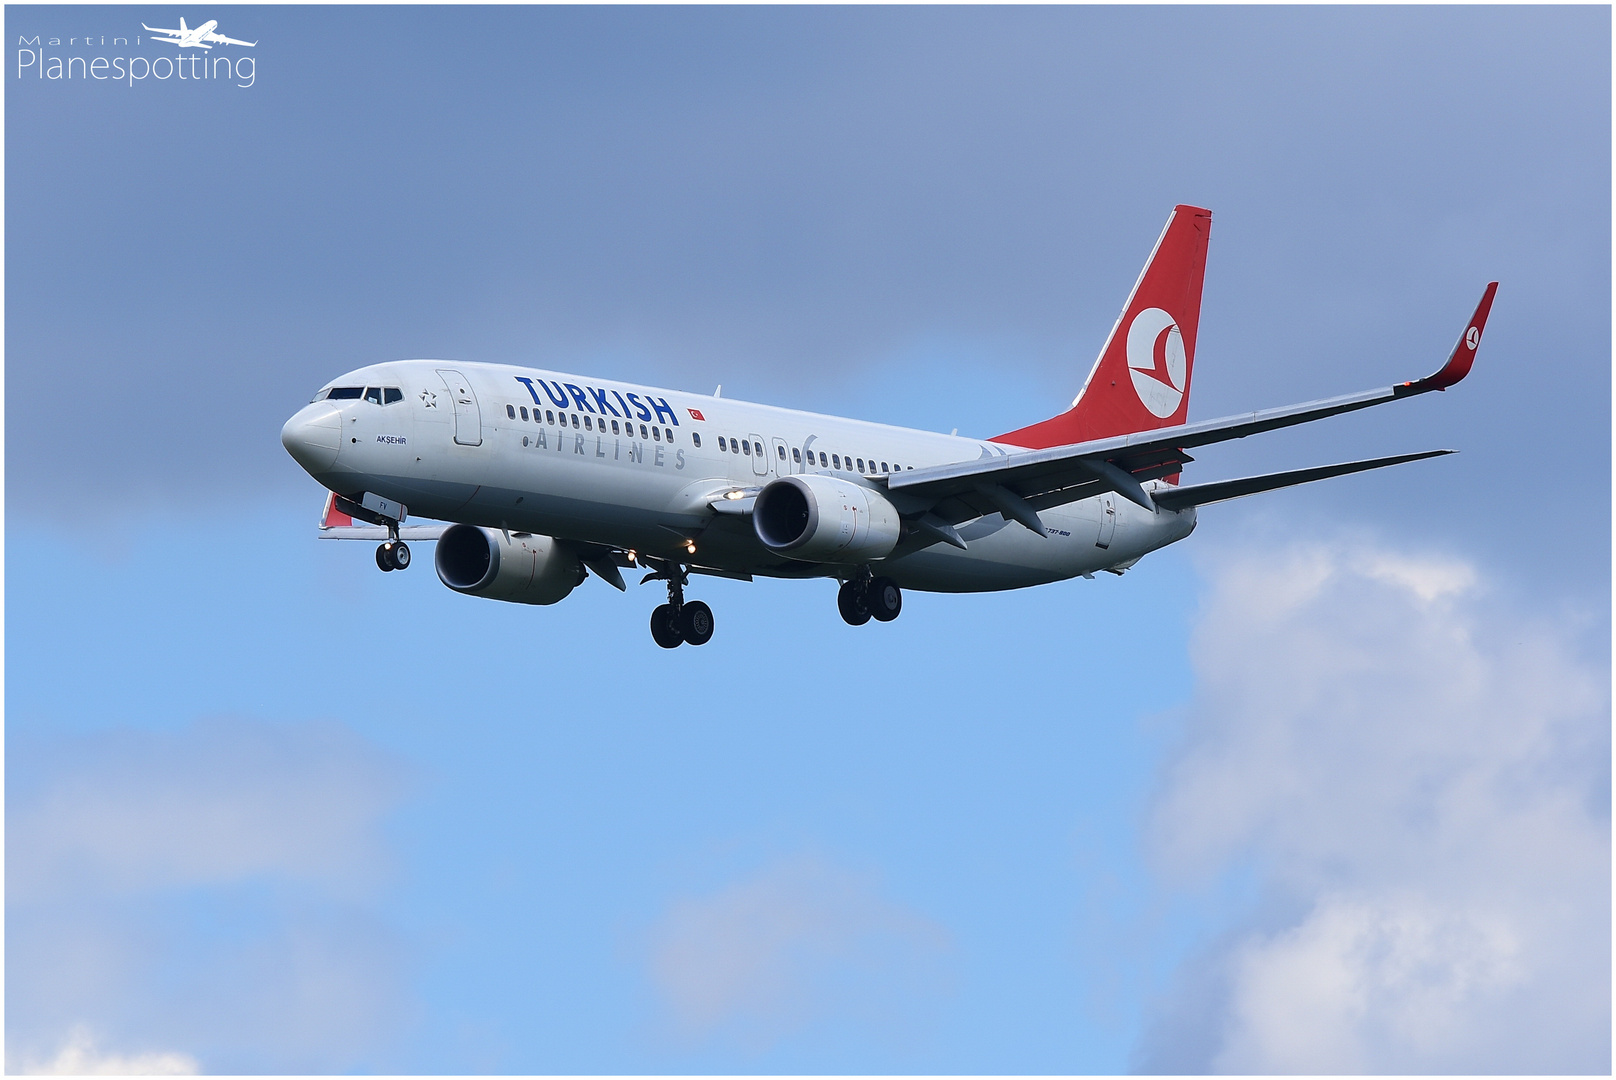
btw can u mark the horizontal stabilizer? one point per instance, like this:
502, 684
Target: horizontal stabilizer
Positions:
1200, 494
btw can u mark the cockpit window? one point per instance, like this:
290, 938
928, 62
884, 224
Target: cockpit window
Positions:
373, 394
341, 393
392, 394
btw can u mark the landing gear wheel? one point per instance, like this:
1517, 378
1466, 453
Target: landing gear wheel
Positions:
663, 630
695, 623
384, 558
401, 557
883, 599
851, 603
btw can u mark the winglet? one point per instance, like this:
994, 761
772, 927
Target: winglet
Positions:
1464, 351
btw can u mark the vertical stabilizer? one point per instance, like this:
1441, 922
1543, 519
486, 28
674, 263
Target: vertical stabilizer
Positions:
1142, 379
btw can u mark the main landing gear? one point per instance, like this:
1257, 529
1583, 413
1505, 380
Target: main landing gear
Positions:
865, 598
677, 622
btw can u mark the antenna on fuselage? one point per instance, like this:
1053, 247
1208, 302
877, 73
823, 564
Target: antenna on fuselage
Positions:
720, 391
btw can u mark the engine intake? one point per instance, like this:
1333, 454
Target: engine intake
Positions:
526, 569
819, 518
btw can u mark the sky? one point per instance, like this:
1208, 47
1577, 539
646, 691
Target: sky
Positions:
1323, 788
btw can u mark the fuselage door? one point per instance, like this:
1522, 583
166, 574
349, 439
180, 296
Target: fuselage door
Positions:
782, 458
1108, 520
468, 417
760, 456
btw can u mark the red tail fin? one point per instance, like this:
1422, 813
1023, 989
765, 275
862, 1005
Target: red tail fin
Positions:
1142, 379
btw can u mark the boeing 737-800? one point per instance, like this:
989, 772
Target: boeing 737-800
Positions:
543, 477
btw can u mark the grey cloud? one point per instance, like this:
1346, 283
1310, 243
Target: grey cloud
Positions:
1411, 770
784, 200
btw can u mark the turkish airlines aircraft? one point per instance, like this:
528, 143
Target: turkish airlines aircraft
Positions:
187, 37
547, 476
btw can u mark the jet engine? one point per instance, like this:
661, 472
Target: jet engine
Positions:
819, 518
525, 568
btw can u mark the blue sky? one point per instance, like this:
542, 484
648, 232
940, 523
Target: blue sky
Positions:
269, 810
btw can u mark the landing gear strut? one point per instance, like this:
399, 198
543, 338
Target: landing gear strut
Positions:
865, 597
677, 622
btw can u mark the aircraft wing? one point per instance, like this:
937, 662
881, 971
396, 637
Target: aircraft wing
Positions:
1200, 494
1019, 485
222, 40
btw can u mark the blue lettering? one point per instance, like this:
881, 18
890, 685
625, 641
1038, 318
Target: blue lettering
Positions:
529, 384
600, 399
577, 393
556, 396
634, 399
621, 402
661, 405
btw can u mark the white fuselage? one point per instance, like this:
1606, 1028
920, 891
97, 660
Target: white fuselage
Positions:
593, 461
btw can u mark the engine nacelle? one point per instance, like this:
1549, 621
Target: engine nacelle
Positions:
820, 518
526, 569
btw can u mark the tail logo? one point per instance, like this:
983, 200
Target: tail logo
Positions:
1156, 361
1473, 338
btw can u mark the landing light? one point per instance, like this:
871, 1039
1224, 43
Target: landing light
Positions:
732, 494
690, 546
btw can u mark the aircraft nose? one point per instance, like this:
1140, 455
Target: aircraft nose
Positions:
313, 436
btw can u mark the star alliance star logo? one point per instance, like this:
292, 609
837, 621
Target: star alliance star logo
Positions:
429, 399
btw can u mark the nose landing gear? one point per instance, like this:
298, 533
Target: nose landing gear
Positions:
865, 597
393, 555
676, 622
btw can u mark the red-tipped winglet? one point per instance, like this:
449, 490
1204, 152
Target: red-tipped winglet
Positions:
1463, 355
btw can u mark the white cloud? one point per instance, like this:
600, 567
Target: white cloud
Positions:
79, 1056
794, 943
211, 887
213, 803
1416, 779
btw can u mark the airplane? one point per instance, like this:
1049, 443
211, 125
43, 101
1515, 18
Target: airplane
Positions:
194, 37
540, 478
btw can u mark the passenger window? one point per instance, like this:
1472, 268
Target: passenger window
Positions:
822, 462
643, 433
861, 464
523, 411
746, 447
392, 394
695, 437
510, 411
796, 455
721, 445
735, 446
373, 394
883, 466
549, 417
345, 393
656, 433
757, 448
782, 452
668, 431
574, 419
614, 427
836, 460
